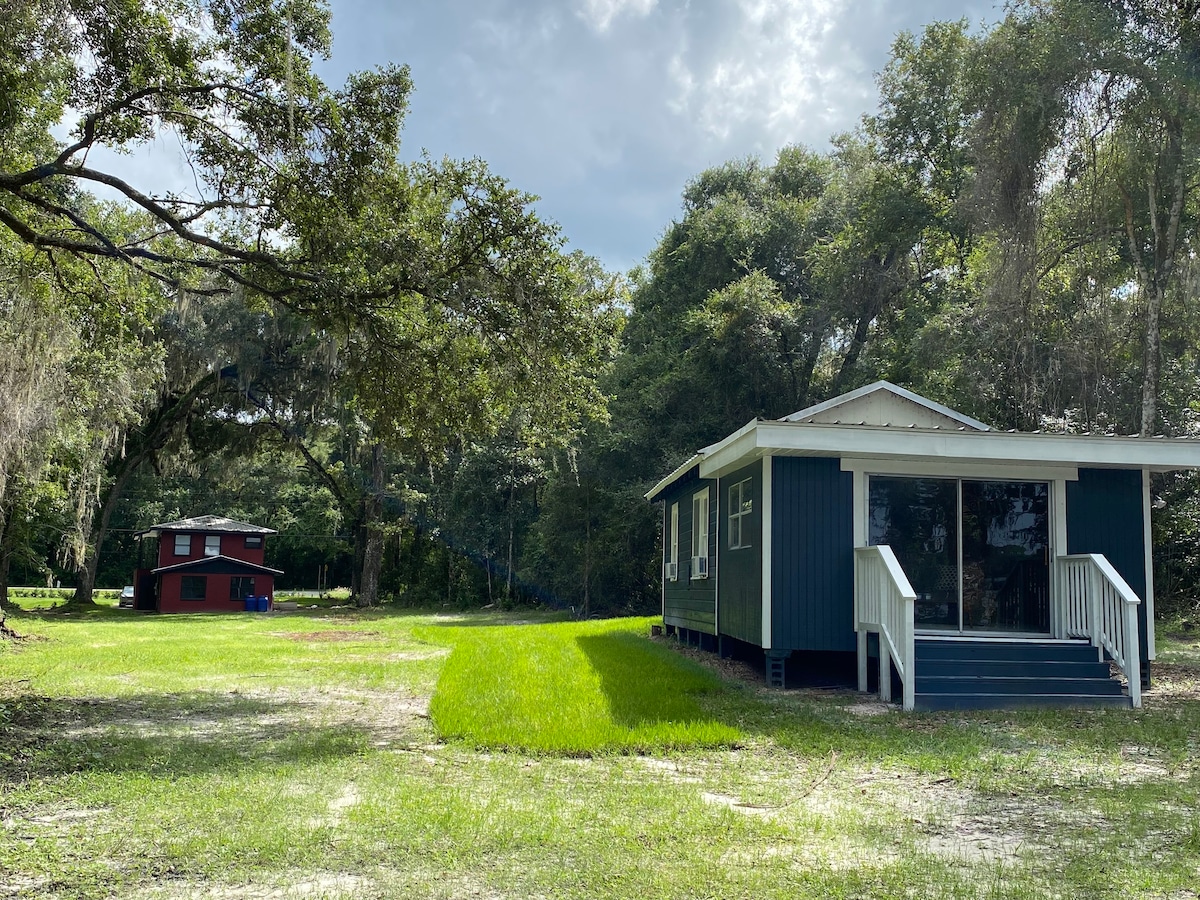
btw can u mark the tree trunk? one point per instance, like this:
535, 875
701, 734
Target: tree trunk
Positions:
5, 553
512, 526
99, 531
1151, 362
372, 559
359, 530
372, 564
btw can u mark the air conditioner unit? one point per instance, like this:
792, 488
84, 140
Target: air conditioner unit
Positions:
699, 566
672, 571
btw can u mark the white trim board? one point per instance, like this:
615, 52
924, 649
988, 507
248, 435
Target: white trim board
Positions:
1147, 544
767, 528
952, 469
943, 446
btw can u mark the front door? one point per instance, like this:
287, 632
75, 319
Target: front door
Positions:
975, 552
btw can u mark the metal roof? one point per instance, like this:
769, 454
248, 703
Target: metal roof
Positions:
971, 442
215, 524
887, 387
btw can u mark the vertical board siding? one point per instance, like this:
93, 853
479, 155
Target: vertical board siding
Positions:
1104, 515
813, 565
687, 603
740, 570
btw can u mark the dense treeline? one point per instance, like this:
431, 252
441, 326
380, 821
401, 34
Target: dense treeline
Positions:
434, 404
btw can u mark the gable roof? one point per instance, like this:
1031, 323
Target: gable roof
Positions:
212, 524
883, 403
882, 422
218, 565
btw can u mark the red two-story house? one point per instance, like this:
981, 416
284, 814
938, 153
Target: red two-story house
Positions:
205, 564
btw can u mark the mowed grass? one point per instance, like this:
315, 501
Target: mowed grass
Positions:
573, 687
247, 757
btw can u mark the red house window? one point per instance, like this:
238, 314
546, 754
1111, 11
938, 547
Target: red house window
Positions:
193, 587
183, 545
212, 545
240, 587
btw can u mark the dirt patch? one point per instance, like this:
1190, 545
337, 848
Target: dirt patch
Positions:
728, 668
331, 636
325, 887
1173, 682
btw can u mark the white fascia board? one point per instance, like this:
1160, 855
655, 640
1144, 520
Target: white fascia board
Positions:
674, 476
945, 468
731, 453
1156, 454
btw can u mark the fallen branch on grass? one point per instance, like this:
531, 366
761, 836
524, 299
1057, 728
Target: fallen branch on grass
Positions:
812, 787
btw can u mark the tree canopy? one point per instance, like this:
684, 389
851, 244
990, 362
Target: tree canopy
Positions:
1012, 232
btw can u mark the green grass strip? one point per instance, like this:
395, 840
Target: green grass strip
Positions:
575, 688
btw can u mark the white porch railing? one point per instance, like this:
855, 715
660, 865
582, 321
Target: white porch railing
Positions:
884, 602
1094, 602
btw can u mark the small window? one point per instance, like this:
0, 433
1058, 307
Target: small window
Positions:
700, 534
212, 545
254, 542
183, 545
194, 587
240, 587
673, 545
741, 505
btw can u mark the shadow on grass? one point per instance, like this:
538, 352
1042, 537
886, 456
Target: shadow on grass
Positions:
821, 722
164, 735
645, 684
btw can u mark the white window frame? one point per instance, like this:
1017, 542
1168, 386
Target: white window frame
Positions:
673, 546
741, 505
212, 545
700, 534
183, 545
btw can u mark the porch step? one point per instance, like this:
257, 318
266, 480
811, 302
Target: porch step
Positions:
1024, 668
992, 684
931, 702
975, 673
1004, 650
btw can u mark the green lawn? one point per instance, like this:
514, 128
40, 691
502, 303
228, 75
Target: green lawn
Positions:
573, 688
341, 754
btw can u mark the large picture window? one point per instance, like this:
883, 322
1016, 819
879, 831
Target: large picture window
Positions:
741, 505
700, 534
193, 587
975, 552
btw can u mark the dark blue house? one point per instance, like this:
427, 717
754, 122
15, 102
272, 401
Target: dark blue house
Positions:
977, 567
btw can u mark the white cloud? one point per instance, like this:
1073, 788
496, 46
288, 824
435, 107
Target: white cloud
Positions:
766, 72
599, 14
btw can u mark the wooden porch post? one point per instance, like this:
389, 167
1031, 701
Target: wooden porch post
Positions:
862, 661
885, 671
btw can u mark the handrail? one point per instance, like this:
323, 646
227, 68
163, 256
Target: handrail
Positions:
884, 602
1096, 603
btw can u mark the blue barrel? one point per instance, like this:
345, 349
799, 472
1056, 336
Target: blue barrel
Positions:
263, 603
251, 603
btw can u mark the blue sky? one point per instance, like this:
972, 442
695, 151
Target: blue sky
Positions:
605, 108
